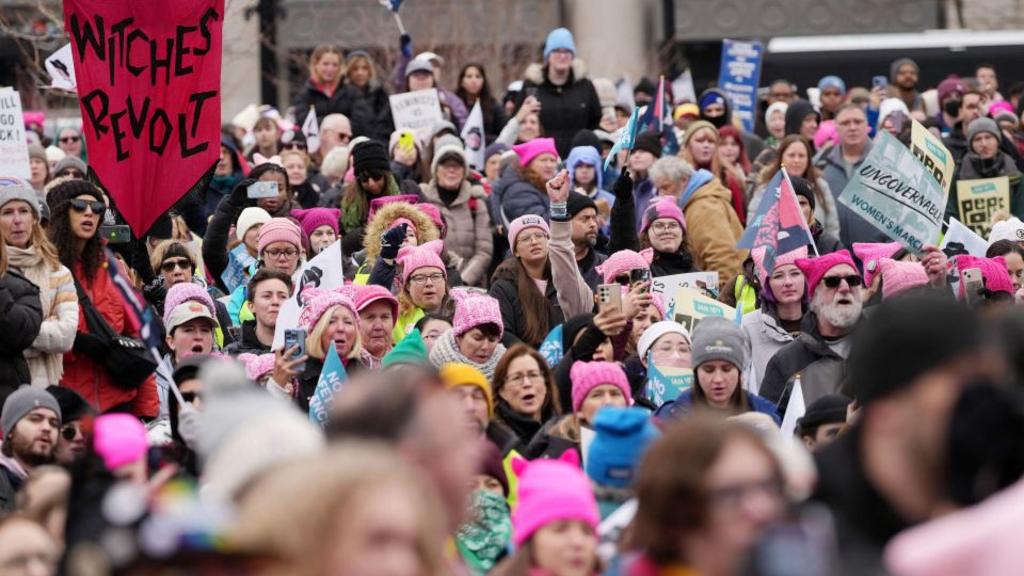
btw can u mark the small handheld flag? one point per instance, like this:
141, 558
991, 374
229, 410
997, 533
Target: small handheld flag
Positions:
311, 130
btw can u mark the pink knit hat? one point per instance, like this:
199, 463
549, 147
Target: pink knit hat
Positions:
550, 490
473, 309
257, 365
415, 257
119, 439
826, 132
780, 260
586, 376
279, 230
524, 222
870, 253
314, 218
898, 277
316, 302
434, 213
658, 303
527, 151
183, 292
814, 269
661, 207
623, 261
370, 293
993, 271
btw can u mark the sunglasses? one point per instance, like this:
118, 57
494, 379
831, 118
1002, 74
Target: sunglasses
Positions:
96, 206
71, 173
70, 139
833, 282
189, 397
295, 146
370, 175
170, 265
69, 431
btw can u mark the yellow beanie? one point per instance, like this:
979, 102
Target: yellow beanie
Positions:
457, 374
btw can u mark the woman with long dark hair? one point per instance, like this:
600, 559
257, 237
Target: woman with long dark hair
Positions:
795, 153
76, 212
525, 397
473, 88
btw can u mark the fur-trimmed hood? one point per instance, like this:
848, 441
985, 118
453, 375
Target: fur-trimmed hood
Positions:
381, 222
535, 72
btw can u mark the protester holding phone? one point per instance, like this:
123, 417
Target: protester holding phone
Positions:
373, 179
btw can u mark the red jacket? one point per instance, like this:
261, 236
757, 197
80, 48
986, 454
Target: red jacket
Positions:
88, 377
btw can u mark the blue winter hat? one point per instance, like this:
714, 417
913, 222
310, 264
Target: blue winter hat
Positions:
622, 437
584, 155
832, 82
559, 39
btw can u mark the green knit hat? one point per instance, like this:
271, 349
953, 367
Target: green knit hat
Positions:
411, 350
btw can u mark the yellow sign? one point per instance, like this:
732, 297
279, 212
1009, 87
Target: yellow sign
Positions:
937, 159
691, 306
978, 199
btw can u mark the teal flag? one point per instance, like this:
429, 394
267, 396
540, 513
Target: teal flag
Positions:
332, 377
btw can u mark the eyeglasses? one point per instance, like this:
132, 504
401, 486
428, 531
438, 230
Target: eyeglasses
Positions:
666, 226
368, 175
525, 376
80, 205
422, 278
529, 238
833, 282
277, 252
70, 139
70, 431
293, 145
170, 265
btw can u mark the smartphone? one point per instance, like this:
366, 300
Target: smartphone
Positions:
879, 82
531, 91
609, 296
296, 337
639, 275
973, 284
118, 234
406, 142
262, 189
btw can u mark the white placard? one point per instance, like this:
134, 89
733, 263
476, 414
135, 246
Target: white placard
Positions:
13, 145
417, 111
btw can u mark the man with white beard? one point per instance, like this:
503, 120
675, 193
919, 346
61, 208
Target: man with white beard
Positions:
818, 355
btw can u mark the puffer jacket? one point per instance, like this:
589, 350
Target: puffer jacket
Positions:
368, 109
89, 377
21, 316
469, 228
313, 95
382, 220
713, 229
683, 405
565, 109
821, 370
514, 197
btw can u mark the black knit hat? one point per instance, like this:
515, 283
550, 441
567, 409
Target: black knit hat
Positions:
64, 192
585, 138
370, 155
803, 188
906, 337
648, 142
829, 409
574, 326
72, 406
578, 203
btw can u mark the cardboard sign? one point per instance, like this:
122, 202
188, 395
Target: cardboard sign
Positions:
977, 199
13, 145
417, 111
894, 192
690, 307
739, 75
148, 76
936, 158
668, 286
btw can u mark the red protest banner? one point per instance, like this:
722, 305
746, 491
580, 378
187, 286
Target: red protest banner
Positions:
149, 85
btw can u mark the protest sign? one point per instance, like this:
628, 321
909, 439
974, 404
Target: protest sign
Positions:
960, 239
473, 136
148, 78
13, 145
417, 111
895, 193
332, 377
937, 159
739, 75
666, 383
61, 68
311, 130
325, 272
690, 307
551, 347
668, 286
977, 199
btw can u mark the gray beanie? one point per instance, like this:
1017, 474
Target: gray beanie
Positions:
70, 161
21, 402
16, 189
719, 339
894, 68
982, 124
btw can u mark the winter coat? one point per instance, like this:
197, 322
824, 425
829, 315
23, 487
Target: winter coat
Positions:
248, 343
352, 229
88, 376
59, 305
667, 264
21, 317
524, 428
821, 370
368, 109
469, 228
503, 289
514, 197
836, 173
972, 167
683, 405
766, 339
313, 95
588, 268
565, 109
713, 229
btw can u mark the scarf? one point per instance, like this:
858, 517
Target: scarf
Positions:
30, 264
355, 208
483, 539
446, 350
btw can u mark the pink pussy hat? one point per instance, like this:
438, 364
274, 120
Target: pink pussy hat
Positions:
814, 269
870, 253
427, 255
473, 310
551, 490
527, 151
898, 277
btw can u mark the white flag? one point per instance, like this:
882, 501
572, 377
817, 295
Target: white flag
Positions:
959, 237
61, 68
682, 88
311, 130
795, 410
473, 136
325, 272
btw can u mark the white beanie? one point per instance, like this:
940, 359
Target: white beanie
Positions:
1011, 229
657, 330
773, 108
888, 106
250, 217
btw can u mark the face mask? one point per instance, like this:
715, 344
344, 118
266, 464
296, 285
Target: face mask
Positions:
486, 536
718, 121
951, 107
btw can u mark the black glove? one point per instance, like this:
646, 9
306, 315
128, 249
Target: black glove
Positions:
623, 187
391, 241
239, 196
405, 43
